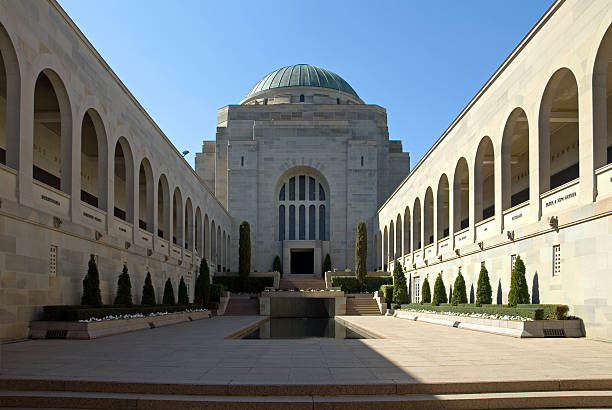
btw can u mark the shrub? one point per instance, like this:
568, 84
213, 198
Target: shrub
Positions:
183, 297
327, 264
244, 251
535, 313
202, 286
484, 293
74, 313
124, 289
148, 292
439, 295
168, 298
215, 292
276, 265
91, 285
551, 312
253, 284
519, 292
387, 293
373, 283
361, 253
459, 291
426, 291
400, 292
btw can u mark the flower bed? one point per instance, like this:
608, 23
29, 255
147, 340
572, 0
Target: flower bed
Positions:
526, 312
75, 313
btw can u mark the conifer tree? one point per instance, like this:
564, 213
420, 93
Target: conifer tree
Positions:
484, 293
168, 298
202, 287
91, 285
400, 292
276, 265
459, 291
519, 292
327, 267
361, 254
183, 297
439, 295
148, 292
426, 291
124, 289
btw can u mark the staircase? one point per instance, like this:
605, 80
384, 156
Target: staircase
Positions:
302, 283
75, 394
242, 306
361, 305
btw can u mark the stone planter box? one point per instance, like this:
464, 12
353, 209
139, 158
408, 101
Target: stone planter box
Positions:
513, 328
94, 330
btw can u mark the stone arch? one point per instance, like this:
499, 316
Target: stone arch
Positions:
163, 208
407, 231
398, 237
146, 217
177, 217
428, 217
198, 231
123, 181
94, 160
416, 224
213, 244
391, 255
385, 253
379, 252
10, 90
442, 207
515, 160
188, 230
219, 247
602, 102
484, 180
558, 131
52, 132
461, 196
224, 253
206, 240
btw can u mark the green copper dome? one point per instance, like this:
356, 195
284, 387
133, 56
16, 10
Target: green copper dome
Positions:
302, 75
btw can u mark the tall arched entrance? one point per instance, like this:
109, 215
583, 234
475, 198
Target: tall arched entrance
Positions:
302, 220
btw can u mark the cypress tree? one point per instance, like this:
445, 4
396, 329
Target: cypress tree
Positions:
183, 297
124, 289
484, 293
244, 252
148, 292
168, 298
202, 289
400, 292
91, 285
519, 292
459, 291
439, 295
327, 264
361, 253
426, 292
276, 265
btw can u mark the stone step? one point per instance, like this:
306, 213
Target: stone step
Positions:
361, 306
242, 307
305, 283
525, 400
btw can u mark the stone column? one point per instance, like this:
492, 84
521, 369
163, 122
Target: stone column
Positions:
26, 142
586, 142
75, 170
498, 195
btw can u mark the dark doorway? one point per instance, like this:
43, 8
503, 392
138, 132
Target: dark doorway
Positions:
302, 261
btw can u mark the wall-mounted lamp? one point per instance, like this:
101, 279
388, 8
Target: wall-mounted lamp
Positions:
127, 245
98, 235
457, 252
440, 257
57, 222
481, 245
185, 153
149, 252
510, 235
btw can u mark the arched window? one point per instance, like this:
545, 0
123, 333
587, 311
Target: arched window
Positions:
338, 101
515, 160
292, 189
145, 196
302, 232
484, 182
321, 193
322, 233
311, 223
292, 222
10, 93
281, 194
302, 98
281, 222
124, 181
163, 208
93, 160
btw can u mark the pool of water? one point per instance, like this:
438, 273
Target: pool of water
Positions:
304, 328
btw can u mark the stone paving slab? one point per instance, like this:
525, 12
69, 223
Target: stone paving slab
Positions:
411, 352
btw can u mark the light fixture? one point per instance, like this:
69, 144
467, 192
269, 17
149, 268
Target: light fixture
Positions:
457, 252
553, 221
185, 152
481, 245
57, 222
510, 235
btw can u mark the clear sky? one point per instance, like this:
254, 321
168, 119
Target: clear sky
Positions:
423, 60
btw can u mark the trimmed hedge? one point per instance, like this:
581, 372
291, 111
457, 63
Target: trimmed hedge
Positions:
530, 312
74, 313
350, 284
551, 312
215, 292
387, 292
251, 285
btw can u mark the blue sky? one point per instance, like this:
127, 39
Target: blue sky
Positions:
421, 60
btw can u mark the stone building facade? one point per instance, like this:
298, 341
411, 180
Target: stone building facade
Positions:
303, 159
84, 170
525, 169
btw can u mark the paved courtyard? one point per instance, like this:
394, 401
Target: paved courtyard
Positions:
196, 352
